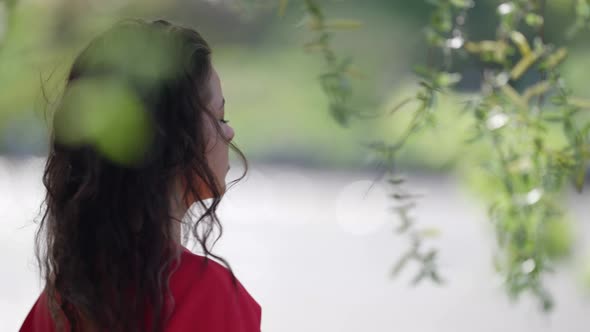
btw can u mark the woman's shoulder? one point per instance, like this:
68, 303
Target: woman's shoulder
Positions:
196, 271
38, 318
197, 267
206, 294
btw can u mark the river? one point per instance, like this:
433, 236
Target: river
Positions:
316, 248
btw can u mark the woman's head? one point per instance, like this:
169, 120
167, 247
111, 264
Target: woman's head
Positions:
138, 136
162, 77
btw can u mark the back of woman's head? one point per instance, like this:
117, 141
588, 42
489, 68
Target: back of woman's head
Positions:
128, 147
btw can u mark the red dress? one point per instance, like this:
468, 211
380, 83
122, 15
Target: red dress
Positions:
206, 302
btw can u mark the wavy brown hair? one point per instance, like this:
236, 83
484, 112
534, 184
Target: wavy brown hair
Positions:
105, 242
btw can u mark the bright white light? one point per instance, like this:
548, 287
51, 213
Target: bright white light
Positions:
455, 42
528, 266
502, 79
497, 120
534, 196
506, 8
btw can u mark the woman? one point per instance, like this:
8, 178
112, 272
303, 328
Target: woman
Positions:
138, 137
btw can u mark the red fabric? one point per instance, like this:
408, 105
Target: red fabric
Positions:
205, 300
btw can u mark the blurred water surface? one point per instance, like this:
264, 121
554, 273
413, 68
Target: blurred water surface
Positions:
315, 248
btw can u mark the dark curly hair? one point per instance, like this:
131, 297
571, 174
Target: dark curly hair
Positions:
105, 244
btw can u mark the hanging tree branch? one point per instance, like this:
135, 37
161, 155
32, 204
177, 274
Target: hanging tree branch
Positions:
512, 119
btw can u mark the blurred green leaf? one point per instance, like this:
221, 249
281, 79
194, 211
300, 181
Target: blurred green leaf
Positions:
340, 113
534, 20
557, 238
430, 232
282, 7
342, 24
442, 19
521, 42
555, 59
523, 65
401, 264
446, 80
107, 115
462, 3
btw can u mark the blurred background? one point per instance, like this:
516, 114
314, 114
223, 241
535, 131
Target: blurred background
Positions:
308, 231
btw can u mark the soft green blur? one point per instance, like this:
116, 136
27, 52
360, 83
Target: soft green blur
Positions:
106, 114
274, 98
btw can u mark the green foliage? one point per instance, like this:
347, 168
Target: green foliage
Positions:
516, 121
525, 133
582, 21
107, 115
335, 80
